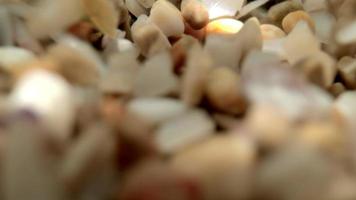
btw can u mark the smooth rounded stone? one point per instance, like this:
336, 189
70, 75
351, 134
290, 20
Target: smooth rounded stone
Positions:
180, 51
198, 34
223, 51
79, 62
49, 96
195, 13
89, 154
224, 26
269, 126
270, 32
277, 12
301, 43
221, 8
82, 47
292, 19
136, 8
170, 137
195, 76
73, 67
13, 56
250, 36
119, 78
346, 34
156, 77
146, 3
42, 17
347, 70
148, 37
156, 109
28, 166
167, 17
103, 14
295, 172
337, 89
319, 68
223, 91
324, 23
222, 164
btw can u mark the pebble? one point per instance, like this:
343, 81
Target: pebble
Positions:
270, 32
195, 76
292, 19
49, 96
148, 37
221, 164
156, 110
156, 77
170, 137
136, 8
347, 69
278, 11
167, 17
301, 43
103, 14
223, 91
195, 14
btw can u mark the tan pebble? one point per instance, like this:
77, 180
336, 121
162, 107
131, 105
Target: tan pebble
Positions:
222, 164
300, 43
195, 14
76, 68
167, 17
103, 14
269, 126
319, 68
148, 37
180, 51
195, 76
198, 34
277, 12
293, 18
270, 32
223, 91
336, 89
347, 70
135, 8
250, 36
